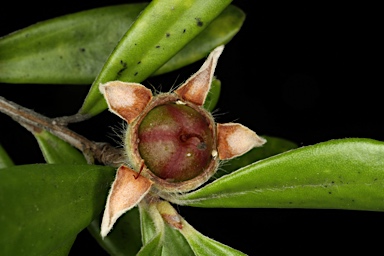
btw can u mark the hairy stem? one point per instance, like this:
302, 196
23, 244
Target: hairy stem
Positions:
102, 152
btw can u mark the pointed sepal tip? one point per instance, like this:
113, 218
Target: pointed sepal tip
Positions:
127, 190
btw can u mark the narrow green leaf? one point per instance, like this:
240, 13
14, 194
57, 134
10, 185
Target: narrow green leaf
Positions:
165, 240
148, 225
152, 230
220, 31
5, 160
47, 204
174, 243
213, 95
125, 237
153, 247
202, 245
57, 151
158, 237
273, 146
169, 25
85, 46
338, 174
70, 49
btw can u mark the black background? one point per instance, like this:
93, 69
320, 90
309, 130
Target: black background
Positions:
308, 73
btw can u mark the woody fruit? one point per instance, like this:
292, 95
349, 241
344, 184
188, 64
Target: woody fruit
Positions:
172, 143
176, 142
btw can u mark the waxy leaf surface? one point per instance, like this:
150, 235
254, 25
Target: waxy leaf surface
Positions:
72, 49
124, 239
160, 31
45, 205
338, 174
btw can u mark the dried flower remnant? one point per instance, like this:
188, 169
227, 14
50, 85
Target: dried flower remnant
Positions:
172, 143
121, 198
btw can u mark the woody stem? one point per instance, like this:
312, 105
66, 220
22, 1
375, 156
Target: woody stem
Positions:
102, 152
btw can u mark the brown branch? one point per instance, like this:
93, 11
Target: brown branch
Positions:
102, 152
64, 120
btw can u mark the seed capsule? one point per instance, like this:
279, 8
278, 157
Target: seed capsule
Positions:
176, 142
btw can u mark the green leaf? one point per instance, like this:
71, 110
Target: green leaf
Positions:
202, 245
175, 243
45, 205
338, 174
152, 230
220, 31
149, 228
64, 249
153, 247
169, 25
85, 46
166, 240
57, 151
273, 146
158, 237
70, 49
213, 95
5, 160
125, 237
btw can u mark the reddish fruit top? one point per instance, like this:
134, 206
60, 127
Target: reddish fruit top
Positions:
176, 142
